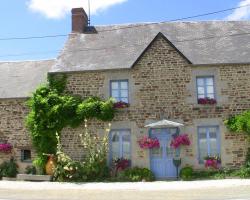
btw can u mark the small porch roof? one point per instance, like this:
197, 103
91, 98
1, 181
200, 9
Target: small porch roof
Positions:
164, 123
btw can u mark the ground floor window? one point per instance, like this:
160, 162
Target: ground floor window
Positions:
120, 144
25, 155
208, 142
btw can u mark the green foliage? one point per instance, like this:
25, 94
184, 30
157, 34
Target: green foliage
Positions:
30, 170
51, 110
136, 174
94, 165
9, 169
239, 123
186, 173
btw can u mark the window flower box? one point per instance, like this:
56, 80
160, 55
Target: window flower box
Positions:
207, 101
148, 143
5, 148
180, 140
121, 104
213, 162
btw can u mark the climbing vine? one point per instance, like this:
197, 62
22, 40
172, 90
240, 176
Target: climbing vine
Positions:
52, 109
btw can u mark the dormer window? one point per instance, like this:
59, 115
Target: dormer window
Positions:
119, 90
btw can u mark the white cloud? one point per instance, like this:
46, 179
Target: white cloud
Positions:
57, 9
241, 13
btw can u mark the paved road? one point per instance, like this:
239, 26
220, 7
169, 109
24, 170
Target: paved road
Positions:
220, 190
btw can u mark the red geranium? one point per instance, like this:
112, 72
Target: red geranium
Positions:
148, 143
180, 140
207, 100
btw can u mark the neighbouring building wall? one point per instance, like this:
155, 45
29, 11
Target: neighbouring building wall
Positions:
162, 84
13, 131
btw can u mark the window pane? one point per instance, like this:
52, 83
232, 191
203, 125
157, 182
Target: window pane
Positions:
202, 131
213, 147
114, 85
211, 96
126, 145
124, 85
201, 90
202, 148
209, 81
124, 100
200, 81
210, 89
200, 96
124, 93
115, 145
173, 131
115, 93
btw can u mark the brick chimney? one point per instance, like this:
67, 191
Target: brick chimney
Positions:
79, 20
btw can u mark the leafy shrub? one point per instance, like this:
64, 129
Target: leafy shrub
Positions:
186, 173
136, 174
30, 170
9, 169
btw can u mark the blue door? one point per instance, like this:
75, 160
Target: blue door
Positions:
161, 159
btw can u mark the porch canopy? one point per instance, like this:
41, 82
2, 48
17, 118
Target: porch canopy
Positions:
164, 123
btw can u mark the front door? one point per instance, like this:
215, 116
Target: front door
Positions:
161, 159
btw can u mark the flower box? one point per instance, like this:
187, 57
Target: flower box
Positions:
180, 140
121, 104
207, 101
212, 162
5, 148
148, 143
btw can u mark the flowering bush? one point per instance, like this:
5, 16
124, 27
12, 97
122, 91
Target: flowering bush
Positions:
121, 104
180, 140
148, 143
121, 163
6, 148
207, 100
212, 162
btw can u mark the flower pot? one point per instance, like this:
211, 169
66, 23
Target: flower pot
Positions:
50, 166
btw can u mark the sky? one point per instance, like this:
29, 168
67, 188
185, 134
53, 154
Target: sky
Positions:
27, 18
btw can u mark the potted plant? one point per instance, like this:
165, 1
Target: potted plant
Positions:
8, 170
121, 104
5, 147
148, 143
180, 140
207, 101
212, 162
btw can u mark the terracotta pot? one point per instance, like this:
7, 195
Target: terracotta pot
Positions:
50, 166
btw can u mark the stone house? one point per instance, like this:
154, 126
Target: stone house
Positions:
164, 71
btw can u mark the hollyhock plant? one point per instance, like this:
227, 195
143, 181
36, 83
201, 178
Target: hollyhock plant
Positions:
6, 148
121, 104
179, 141
206, 100
148, 143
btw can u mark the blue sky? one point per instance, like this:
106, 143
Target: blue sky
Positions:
21, 18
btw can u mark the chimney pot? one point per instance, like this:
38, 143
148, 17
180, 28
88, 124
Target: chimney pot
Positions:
79, 20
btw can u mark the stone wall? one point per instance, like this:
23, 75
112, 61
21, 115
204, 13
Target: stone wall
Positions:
162, 85
12, 129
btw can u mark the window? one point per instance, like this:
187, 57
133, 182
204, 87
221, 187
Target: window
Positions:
25, 155
208, 142
119, 90
205, 87
120, 144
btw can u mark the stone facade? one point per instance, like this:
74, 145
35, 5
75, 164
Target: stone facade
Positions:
162, 84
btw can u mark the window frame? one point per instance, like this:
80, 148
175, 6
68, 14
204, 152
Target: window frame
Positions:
205, 86
119, 88
218, 141
23, 156
121, 132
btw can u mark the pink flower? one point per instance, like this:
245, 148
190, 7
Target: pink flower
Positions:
207, 100
180, 140
121, 104
211, 163
6, 148
148, 143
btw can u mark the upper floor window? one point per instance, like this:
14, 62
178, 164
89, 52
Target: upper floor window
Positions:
120, 144
119, 90
205, 87
208, 142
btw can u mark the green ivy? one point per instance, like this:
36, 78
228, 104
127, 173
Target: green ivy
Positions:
239, 123
51, 109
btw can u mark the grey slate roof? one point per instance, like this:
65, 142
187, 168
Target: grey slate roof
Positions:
120, 48
20, 79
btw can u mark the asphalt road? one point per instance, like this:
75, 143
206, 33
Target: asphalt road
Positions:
234, 192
